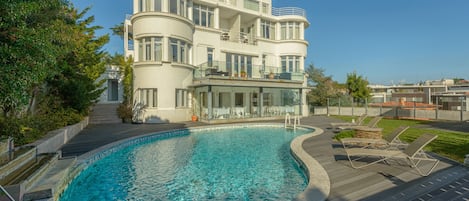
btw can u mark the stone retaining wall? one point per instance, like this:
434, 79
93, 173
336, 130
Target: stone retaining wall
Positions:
18, 162
52, 142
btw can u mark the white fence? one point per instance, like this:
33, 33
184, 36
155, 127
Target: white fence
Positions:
394, 112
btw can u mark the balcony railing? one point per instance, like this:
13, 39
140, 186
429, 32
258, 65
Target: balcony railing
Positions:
231, 2
253, 72
288, 11
238, 37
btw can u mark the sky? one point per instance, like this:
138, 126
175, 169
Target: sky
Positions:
385, 41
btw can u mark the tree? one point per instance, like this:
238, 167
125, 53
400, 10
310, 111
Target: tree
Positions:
357, 87
80, 67
118, 30
324, 86
28, 34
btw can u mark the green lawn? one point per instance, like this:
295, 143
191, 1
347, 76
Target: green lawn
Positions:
451, 144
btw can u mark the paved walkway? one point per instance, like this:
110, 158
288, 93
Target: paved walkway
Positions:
450, 181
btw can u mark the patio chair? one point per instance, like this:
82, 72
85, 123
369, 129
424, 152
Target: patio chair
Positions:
359, 122
390, 141
371, 124
413, 154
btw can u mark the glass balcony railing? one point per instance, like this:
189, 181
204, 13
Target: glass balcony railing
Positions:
288, 11
253, 72
238, 37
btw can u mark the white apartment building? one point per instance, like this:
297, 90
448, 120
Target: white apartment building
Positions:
219, 60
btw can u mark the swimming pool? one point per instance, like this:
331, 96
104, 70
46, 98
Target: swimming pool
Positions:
229, 163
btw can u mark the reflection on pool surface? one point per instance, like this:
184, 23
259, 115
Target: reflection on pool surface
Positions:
239, 163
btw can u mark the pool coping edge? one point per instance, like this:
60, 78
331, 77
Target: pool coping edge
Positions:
318, 187
319, 184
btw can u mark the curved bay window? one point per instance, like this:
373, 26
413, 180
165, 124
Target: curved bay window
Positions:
178, 7
290, 63
150, 49
289, 30
179, 51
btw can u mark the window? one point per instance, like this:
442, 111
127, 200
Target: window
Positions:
140, 6
267, 29
149, 97
182, 48
251, 5
289, 30
182, 98
283, 31
158, 51
239, 99
267, 99
179, 51
209, 57
203, 15
146, 5
178, 7
157, 6
173, 6
174, 49
290, 63
149, 49
147, 43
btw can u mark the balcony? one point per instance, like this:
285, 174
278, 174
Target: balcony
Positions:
222, 69
288, 11
238, 37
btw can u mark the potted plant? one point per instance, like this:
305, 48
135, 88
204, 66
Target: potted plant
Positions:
271, 75
243, 73
124, 112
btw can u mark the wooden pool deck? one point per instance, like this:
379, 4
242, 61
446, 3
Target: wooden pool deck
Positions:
449, 181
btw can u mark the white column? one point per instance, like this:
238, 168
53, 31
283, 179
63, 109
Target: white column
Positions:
258, 25
216, 18
189, 8
278, 31
302, 30
165, 49
136, 6
165, 6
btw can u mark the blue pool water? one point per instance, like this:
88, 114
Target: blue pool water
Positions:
216, 164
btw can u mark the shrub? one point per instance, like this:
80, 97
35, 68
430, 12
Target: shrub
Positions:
11, 127
124, 112
31, 128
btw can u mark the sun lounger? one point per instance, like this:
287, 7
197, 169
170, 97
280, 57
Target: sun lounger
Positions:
391, 140
413, 154
359, 122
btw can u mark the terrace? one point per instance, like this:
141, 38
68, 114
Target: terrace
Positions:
223, 69
449, 181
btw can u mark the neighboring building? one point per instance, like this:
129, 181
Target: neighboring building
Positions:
440, 92
113, 85
220, 60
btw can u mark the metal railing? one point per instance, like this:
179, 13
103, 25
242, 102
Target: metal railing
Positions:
224, 69
230, 2
6, 194
288, 11
238, 37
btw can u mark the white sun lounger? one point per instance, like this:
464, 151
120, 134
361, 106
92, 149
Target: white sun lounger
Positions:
413, 154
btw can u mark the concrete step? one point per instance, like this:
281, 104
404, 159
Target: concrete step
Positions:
105, 114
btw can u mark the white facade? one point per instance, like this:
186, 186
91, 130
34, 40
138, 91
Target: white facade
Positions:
113, 85
217, 60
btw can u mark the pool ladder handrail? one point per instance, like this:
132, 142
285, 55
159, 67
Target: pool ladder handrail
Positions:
6, 193
296, 121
